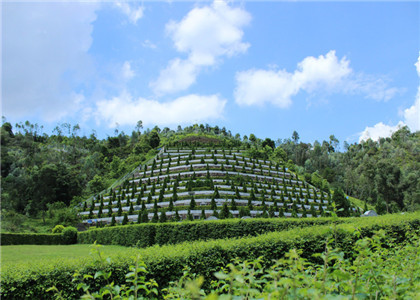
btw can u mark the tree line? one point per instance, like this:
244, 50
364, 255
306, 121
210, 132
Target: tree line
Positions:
38, 170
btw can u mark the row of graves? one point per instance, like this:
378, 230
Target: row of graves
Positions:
188, 184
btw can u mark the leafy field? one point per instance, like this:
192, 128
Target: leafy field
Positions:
166, 263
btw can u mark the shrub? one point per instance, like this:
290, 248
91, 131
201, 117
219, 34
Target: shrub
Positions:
166, 263
69, 235
58, 229
174, 232
31, 239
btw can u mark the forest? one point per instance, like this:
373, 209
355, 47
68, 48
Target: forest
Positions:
47, 175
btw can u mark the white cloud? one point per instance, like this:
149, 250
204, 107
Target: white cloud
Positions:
205, 34
45, 49
133, 14
257, 87
378, 131
209, 32
411, 119
313, 74
126, 71
178, 76
125, 110
412, 114
417, 64
148, 44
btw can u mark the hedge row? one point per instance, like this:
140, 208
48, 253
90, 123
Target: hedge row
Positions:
68, 236
149, 234
166, 263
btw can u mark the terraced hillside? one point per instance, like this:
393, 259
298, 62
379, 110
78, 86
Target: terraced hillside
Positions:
205, 183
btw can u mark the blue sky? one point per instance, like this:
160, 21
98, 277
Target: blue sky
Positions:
268, 68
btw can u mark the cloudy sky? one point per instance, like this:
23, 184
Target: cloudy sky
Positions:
345, 68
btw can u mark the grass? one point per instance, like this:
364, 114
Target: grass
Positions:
360, 203
33, 254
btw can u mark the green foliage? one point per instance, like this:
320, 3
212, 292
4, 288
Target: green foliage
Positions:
31, 239
146, 235
69, 235
58, 229
166, 263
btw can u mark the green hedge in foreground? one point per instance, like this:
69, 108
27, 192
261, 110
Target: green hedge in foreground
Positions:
165, 263
145, 235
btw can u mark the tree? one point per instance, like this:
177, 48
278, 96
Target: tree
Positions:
177, 217
125, 219
139, 125
268, 142
189, 216
113, 221
155, 217
342, 203
192, 203
162, 217
295, 137
154, 139
213, 205
387, 180
252, 138
224, 213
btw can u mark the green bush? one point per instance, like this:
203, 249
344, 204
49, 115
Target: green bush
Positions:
145, 235
69, 235
58, 229
166, 263
31, 239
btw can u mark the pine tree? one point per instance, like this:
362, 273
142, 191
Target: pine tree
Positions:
113, 222
252, 195
224, 213
215, 213
271, 212
189, 216
120, 211
155, 217
109, 211
139, 217
203, 215
171, 205
264, 214
233, 205
216, 193
264, 206
138, 201
313, 210
193, 205
131, 209
162, 217
213, 205
144, 216
242, 212
237, 193
281, 213
276, 207
177, 218
100, 212
125, 219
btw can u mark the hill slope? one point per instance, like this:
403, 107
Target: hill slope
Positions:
204, 182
